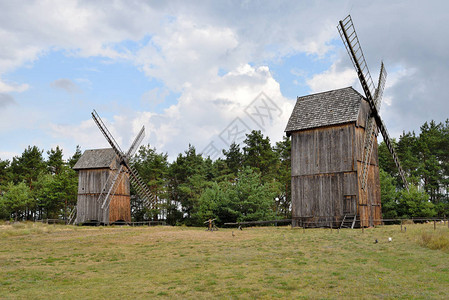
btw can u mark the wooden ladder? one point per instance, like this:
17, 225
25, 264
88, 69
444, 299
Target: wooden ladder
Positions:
72, 216
347, 222
342, 222
353, 221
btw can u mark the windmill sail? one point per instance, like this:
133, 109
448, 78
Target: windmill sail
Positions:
370, 128
132, 150
351, 41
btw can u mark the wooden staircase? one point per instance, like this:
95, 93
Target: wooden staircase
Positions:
348, 221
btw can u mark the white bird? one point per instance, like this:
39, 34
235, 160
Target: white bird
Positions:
390, 239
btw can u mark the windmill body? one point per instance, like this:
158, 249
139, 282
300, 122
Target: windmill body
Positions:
94, 169
328, 134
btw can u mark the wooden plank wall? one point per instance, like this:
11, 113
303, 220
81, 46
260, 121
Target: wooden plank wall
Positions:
323, 171
120, 206
324, 150
370, 209
323, 194
91, 183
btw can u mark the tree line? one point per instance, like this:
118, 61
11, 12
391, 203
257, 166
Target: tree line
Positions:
425, 160
250, 182
32, 187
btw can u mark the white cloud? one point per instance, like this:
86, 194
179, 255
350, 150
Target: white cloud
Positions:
185, 54
154, 97
332, 79
197, 118
7, 155
12, 87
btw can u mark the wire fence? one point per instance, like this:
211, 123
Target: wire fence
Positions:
96, 223
305, 222
333, 222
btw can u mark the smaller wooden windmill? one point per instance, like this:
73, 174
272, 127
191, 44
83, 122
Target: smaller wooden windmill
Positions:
104, 178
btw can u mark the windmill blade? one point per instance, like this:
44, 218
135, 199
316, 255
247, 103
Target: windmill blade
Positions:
136, 143
107, 135
105, 198
351, 41
387, 141
370, 128
142, 189
349, 36
381, 86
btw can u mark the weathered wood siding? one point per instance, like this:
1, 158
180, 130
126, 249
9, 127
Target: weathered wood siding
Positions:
324, 172
91, 183
324, 150
370, 210
120, 207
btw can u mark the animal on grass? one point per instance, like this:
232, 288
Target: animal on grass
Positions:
233, 235
376, 241
390, 239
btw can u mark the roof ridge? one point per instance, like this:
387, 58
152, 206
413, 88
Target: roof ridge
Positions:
329, 91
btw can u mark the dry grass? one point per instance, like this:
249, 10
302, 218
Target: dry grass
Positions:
437, 240
46, 261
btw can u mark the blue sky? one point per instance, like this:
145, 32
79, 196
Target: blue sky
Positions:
187, 70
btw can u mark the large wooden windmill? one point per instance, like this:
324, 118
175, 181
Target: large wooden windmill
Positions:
335, 169
104, 178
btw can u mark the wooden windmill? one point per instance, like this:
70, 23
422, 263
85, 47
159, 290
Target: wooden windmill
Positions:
335, 169
104, 178
373, 96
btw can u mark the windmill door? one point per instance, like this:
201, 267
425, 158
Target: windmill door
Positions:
349, 205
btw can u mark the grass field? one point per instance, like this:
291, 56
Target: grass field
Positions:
53, 262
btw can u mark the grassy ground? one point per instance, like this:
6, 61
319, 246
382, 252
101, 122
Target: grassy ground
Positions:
46, 261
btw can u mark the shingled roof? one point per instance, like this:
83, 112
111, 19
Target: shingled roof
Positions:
324, 109
96, 159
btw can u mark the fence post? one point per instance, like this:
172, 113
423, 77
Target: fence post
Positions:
401, 225
434, 225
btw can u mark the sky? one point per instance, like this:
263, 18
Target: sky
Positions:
205, 73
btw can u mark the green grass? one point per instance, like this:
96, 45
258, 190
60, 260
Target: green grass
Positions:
54, 261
